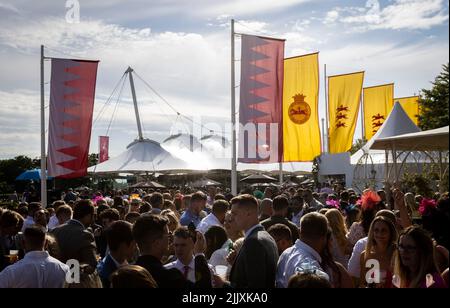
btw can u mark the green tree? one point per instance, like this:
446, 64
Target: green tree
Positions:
434, 103
11, 168
357, 145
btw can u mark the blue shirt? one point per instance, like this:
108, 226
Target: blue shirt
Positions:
189, 217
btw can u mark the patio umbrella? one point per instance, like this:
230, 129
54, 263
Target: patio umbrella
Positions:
33, 174
258, 178
205, 182
150, 184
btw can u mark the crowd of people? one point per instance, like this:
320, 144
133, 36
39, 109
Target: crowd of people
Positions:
284, 238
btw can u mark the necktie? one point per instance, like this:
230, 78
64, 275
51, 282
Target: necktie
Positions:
186, 272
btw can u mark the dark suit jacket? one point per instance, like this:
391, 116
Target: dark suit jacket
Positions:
75, 242
173, 278
269, 222
105, 268
256, 263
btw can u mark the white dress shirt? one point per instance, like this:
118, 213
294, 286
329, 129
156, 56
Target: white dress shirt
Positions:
118, 265
36, 270
354, 265
53, 222
180, 266
292, 258
191, 272
219, 257
296, 218
28, 222
207, 222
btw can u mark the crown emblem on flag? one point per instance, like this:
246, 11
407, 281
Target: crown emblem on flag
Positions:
299, 110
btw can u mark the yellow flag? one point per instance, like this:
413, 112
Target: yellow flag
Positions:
344, 96
301, 132
378, 103
411, 107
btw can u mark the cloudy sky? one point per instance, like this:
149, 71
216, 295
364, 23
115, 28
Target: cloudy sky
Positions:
182, 50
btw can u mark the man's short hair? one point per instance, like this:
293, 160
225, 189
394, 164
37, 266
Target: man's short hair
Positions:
117, 233
280, 203
145, 207
198, 196
63, 210
280, 231
345, 195
131, 215
219, 197
33, 207
220, 206
83, 208
313, 226
308, 281
11, 219
182, 232
35, 236
156, 200
132, 277
149, 228
111, 214
57, 204
297, 199
247, 201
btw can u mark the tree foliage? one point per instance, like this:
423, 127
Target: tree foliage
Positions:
434, 103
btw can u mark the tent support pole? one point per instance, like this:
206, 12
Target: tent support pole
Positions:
136, 110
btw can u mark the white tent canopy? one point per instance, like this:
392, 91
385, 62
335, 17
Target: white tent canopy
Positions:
141, 156
429, 140
397, 123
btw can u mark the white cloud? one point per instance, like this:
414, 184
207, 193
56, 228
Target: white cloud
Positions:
401, 14
301, 25
8, 7
245, 7
252, 27
331, 17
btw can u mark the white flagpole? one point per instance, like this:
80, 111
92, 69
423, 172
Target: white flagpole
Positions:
363, 129
43, 157
327, 119
233, 118
281, 172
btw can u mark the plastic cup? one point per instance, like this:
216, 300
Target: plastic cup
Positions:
221, 270
13, 256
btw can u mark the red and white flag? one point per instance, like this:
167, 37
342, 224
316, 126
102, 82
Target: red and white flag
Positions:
261, 100
72, 92
104, 148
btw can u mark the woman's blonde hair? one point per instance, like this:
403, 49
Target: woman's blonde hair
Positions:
337, 225
371, 239
411, 204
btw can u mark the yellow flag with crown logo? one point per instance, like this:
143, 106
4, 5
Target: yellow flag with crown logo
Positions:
344, 97
301, 131
378, 103
411, 107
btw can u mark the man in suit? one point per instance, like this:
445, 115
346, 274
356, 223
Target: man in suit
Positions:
122, 246
256, 263
152, 237
74, 240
